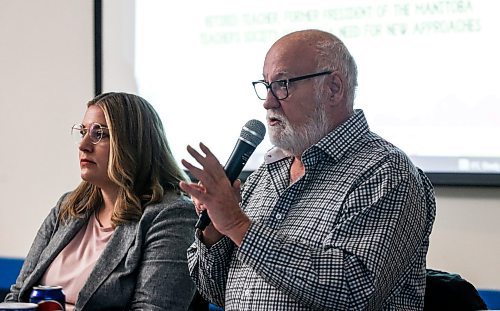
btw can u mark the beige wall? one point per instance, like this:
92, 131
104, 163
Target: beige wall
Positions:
466, 234
46, 77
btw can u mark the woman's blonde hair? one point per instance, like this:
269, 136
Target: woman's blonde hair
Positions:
140, 161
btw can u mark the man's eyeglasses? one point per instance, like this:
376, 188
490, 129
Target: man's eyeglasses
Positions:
96, 132
279, 88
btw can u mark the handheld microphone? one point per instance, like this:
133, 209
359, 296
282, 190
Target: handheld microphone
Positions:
251, 136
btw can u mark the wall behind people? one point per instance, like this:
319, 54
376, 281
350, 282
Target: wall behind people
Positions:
466, 234
46, 77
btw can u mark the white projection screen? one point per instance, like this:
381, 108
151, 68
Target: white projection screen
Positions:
428, 71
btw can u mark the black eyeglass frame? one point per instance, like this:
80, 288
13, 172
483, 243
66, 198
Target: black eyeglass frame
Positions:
285, 82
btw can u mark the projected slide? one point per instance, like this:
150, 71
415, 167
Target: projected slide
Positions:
428, 71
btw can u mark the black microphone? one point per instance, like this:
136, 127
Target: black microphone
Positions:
251, 136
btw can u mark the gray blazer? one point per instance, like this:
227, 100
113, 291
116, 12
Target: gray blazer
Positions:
144, 265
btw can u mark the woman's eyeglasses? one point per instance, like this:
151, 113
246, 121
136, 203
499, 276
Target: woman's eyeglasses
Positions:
96, 132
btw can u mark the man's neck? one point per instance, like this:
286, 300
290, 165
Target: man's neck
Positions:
297, 170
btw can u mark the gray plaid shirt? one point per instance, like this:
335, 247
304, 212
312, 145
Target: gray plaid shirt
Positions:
351, 234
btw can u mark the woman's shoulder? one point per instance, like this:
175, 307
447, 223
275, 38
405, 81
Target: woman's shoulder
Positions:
57, 208
171, 201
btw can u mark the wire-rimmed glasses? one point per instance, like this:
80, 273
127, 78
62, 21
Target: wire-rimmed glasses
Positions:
279, 88
96, 132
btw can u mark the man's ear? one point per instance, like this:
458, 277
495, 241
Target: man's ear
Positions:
336, 86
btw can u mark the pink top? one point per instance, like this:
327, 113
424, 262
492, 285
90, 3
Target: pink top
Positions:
71, 268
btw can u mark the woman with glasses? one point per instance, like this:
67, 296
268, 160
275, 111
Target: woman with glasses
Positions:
119, 240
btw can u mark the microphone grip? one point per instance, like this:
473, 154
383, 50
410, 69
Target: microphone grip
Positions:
203, 221
234, 165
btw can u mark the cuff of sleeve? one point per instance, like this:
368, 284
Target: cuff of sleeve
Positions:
215, 251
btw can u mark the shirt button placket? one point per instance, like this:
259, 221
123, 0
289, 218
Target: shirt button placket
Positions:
279, 216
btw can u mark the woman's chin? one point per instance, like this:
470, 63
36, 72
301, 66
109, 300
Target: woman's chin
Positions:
86, 177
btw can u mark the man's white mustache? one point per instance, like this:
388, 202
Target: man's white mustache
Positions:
276, 116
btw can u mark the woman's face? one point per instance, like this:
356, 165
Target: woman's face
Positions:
94, 158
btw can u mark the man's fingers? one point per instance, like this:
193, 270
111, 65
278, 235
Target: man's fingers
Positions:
237, 184
211, 162
208, 158
200, 208
193, 190
237, 189
211, 168
206, 150
197, 172
198, 186
195, 154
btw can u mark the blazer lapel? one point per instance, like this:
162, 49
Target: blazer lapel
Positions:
63, 235
111, 256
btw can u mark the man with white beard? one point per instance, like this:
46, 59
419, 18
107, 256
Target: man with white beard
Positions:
336, 218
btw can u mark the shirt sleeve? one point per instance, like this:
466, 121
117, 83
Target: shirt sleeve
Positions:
382, 230
209, 267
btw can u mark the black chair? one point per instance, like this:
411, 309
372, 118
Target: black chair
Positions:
448, 291
198, 303
3, 293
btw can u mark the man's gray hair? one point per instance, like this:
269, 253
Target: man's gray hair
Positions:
334, 55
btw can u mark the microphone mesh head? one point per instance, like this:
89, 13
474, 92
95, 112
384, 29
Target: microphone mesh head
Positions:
253, 132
